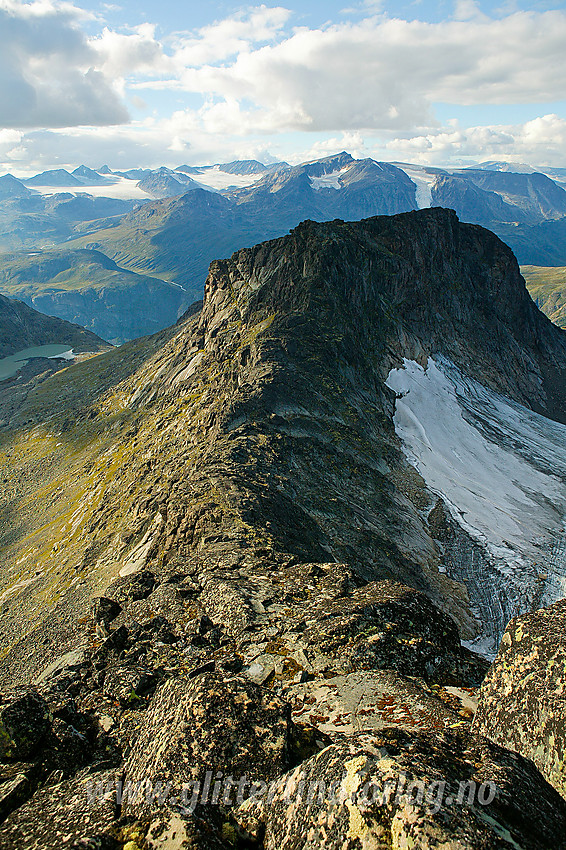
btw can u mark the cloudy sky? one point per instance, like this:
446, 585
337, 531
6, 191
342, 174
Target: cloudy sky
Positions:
167, 82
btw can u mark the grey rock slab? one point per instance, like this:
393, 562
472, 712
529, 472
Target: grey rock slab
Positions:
70, 661
521, 702
81, 809
170, 830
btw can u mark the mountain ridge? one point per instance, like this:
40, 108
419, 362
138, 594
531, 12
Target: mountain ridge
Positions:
244, 568
22, 327
262, 314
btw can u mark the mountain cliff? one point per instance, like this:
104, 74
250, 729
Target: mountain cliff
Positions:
224, 207
247, 569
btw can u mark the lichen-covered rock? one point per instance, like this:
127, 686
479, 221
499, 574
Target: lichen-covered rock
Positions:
80, 814
24, 723
521, 702
128, 684
225, 604
132, 587
226, 725
104, 610
171, 831
323, 622
398, 790
368, 700
386, 625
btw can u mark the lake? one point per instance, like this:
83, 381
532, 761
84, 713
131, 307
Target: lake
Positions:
10, 365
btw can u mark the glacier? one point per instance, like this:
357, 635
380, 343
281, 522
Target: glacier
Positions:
500, 470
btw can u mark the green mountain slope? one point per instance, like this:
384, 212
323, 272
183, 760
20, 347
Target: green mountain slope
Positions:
211, 534
548, 289
22, 327
87, 288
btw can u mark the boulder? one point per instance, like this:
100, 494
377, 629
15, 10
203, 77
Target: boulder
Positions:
521, 702
368, 700
24, 723
210, 723
104, 610
395, 790
79, 813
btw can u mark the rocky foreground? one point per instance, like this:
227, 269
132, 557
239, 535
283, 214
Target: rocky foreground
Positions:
230, 627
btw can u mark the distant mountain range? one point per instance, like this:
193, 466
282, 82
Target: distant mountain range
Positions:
89, 289
169, 224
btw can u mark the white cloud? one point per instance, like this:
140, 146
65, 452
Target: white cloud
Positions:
181, 138
252, 79
48, 73
122, 54
378, 74
541, 141
354, 143
230, 37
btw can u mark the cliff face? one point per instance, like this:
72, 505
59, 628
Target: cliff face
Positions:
237, 493
420, 280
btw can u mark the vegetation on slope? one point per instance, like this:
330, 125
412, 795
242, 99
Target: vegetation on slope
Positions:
89, 289
548, 290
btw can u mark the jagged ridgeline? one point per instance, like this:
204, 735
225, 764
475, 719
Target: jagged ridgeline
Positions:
235, 490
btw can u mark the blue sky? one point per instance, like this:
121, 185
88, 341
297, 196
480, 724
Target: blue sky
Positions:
441, 82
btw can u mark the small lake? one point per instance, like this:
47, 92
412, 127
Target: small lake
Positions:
10, 365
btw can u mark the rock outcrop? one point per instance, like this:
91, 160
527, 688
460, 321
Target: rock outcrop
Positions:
397, 790
521, 702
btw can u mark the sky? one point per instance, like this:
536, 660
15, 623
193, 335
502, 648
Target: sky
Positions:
165, 82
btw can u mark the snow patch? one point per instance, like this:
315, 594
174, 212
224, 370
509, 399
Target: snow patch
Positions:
330, 180
65, 355
424, 182
499, 467
211, 176
122, 189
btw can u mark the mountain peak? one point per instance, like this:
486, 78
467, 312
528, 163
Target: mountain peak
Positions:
456, 291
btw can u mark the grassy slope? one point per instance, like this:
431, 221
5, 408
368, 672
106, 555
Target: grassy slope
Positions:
547, 287
178, 252
89, 289
54, 467
27, 274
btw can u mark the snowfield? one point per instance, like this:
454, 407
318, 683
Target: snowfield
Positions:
499, 467
212, 177
121, 188
330, 180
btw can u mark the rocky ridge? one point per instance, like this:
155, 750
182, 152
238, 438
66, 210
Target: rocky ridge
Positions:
242, 555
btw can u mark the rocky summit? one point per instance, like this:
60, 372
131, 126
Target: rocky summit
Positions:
232, 601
